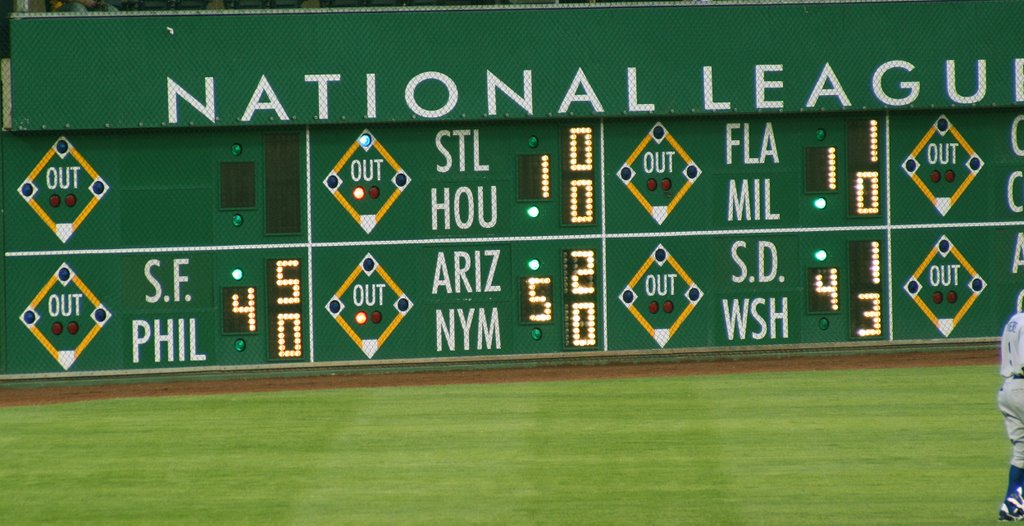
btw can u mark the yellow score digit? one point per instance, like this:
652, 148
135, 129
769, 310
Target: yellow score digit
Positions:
581, 149
581, 201
287, 306
248, 310
538, 296
583, 322
873, 314
866, 193
582, 279
827, 284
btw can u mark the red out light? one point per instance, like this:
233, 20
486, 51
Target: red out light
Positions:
360, 317
358, 193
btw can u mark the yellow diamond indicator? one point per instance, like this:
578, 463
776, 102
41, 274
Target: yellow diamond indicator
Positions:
661, 295
362, 177
943, 165
365, 289
62, 309
938, 289
664, 171
54, 189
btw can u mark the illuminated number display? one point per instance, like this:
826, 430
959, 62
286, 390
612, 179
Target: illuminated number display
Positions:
823, 290
866, 289
239, 310
535, 300
578, 176
578, 272
284, 281
534, 177
863, 168
820, 170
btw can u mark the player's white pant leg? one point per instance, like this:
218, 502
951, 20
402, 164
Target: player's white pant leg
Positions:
1011, 403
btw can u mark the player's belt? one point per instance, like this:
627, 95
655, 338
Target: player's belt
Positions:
1017, 376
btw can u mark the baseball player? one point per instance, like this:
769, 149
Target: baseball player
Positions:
1011, 404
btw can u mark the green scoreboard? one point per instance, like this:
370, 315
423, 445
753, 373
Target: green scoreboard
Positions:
249, 189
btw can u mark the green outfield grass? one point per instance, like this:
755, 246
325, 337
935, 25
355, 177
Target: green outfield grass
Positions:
898, 446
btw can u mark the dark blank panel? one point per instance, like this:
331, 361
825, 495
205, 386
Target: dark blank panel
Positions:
238, 185
282, 182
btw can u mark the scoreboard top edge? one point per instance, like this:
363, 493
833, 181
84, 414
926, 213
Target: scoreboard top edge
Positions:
527, 5
168, 70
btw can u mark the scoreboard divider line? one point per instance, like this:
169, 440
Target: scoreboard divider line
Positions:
309, 251
888, 224
604, 248
509, 239
151, 250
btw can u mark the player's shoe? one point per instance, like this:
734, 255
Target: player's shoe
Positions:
1013, 507
1010, 516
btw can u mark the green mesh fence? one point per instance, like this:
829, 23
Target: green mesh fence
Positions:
215, 189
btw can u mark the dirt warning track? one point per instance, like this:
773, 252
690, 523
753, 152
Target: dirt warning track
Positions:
14, 394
